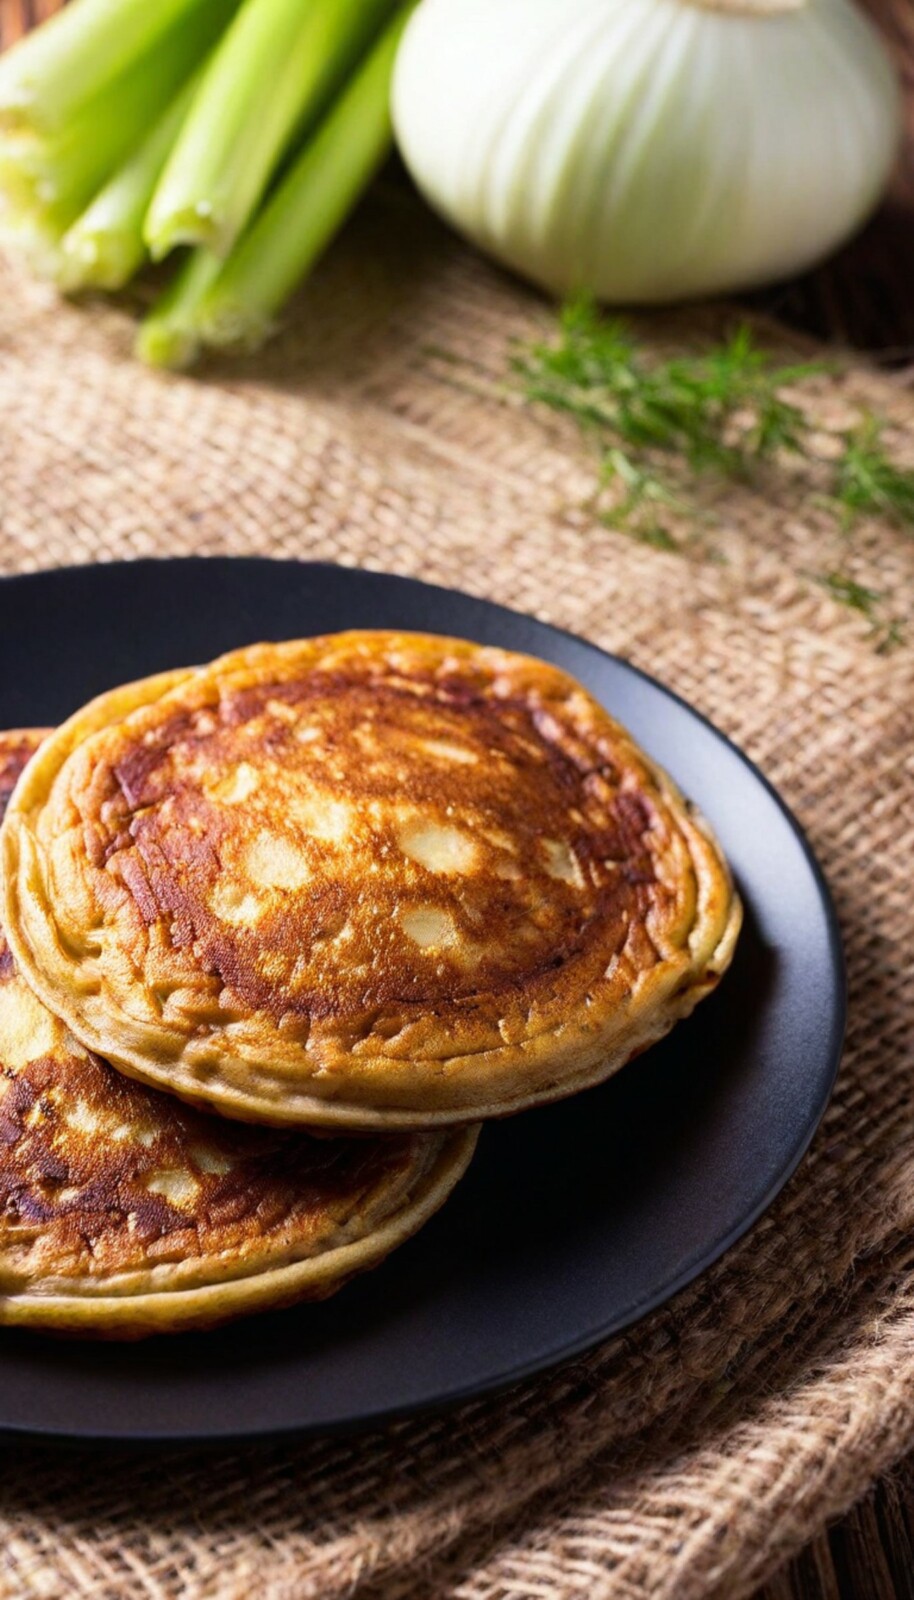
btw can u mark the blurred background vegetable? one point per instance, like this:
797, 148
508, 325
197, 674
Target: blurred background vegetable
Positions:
236, 301
648, 150
272, 74
246, 130
636, 150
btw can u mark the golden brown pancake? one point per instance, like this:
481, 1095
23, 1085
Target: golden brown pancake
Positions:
371, 880
123, 1212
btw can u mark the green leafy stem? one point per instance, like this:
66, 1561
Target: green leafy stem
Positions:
660, 423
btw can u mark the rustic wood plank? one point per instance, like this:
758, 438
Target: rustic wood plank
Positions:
813, 1573
15, 20
869, 1555
895, 1506
860, 1561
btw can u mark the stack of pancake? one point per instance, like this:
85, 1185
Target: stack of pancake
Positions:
281, 931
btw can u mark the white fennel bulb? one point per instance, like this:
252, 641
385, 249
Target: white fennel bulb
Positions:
648, 150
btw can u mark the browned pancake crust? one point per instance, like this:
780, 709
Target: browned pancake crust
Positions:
373, 879
109, 1189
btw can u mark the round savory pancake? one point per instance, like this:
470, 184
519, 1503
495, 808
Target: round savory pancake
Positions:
124, 1212
371, 880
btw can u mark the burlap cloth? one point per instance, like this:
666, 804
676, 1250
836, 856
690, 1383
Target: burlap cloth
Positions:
692, 1456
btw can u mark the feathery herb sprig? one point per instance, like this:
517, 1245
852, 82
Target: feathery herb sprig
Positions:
721, 411
868, 482
887, 631
660, 423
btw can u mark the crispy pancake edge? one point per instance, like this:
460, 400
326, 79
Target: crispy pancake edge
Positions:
381, 1091
138, 1315
132, 1301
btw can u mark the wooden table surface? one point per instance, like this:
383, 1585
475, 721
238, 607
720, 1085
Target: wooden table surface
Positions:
864, 298
868, 1555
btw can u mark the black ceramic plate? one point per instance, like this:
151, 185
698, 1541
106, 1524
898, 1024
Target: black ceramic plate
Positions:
574, 1220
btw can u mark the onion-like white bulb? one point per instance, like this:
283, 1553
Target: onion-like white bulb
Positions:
648, 150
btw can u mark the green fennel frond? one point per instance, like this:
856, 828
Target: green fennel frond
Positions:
870, 603
659, 422
868, 482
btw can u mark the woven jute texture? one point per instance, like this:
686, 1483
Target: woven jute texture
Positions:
692, 1456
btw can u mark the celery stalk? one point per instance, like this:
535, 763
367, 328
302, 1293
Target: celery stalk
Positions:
56, 175
309, 206
104, 247
53, 177
36, 240
169, 337
273, 74
54, 72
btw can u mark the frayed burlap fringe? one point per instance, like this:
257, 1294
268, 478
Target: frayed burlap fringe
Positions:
690, 1457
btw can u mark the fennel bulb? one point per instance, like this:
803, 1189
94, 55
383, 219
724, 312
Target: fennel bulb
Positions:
648, 150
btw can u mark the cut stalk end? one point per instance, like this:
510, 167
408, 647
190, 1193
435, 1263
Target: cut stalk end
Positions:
196, 226
18, 117
227, 324
35, 243
95, 262
162, 344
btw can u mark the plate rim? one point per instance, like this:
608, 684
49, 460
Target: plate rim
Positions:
700, 1261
